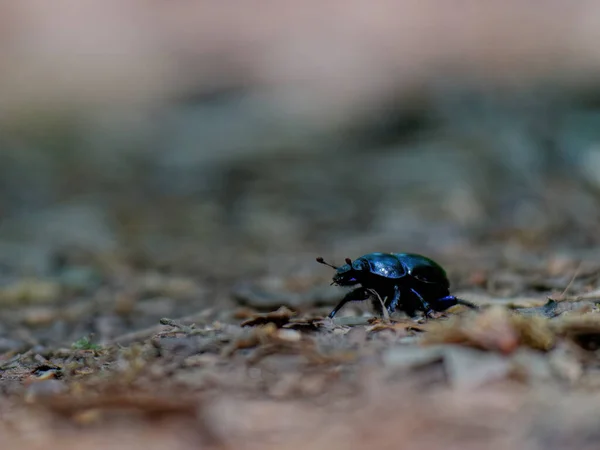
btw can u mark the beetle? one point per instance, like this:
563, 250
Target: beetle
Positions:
405, 281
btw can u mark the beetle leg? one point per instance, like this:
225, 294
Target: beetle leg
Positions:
424, 303
395, 300
459, 301
357, 295
448, 298
451, 300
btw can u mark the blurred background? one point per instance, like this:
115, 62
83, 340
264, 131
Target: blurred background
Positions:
154, 155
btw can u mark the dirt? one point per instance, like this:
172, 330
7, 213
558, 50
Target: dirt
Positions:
151, 303
242, 373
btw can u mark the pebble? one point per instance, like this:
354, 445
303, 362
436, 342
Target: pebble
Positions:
289, 335
44, 388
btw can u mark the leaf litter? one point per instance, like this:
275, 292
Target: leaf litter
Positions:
291, 361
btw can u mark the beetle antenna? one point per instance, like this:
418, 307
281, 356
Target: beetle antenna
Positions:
322, 261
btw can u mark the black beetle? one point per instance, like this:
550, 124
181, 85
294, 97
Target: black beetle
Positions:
406, 281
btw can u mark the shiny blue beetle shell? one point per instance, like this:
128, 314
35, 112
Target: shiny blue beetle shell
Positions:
423, 268
386, 265
398, 265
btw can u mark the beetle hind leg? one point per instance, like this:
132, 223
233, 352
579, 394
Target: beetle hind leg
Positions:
451, 300
425, 305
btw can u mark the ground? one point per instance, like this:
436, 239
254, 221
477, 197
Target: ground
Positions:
520, 374
197, 318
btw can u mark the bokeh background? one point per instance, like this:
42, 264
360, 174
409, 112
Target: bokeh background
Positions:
155, 154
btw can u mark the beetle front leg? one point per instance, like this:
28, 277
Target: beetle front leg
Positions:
395, 300
359, 294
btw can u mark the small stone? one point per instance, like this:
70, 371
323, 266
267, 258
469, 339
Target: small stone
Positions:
196, 378
289, 335
44, 388
182, 346
340, 331
409, 340
534, 365
565, 364
205, 359
409, 356
351, 321
469, 368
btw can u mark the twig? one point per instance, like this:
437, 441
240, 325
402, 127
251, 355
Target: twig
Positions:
561, 296
140, 335
384, 311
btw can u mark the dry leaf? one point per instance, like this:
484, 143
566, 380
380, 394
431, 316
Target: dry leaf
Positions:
308, 323
244, 313
496, 329
402, 328
259, 335
280, 317
534, 332
584, 329
490, 330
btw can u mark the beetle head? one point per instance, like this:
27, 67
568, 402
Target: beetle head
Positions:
346, 275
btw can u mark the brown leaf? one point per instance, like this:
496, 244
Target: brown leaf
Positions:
534, 332
140, 403
244, 313
280, 317
496, 329
308, 323
402, 327
583, 329
259, 335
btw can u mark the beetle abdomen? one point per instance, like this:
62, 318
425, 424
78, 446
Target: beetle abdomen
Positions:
424, 269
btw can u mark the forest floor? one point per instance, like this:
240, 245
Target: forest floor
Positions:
198, 318
262, 367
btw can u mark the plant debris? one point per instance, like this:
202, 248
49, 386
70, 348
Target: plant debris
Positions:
279, 318
496, 329
204, 326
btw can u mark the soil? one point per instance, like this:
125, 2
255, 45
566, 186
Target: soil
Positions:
159, 314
